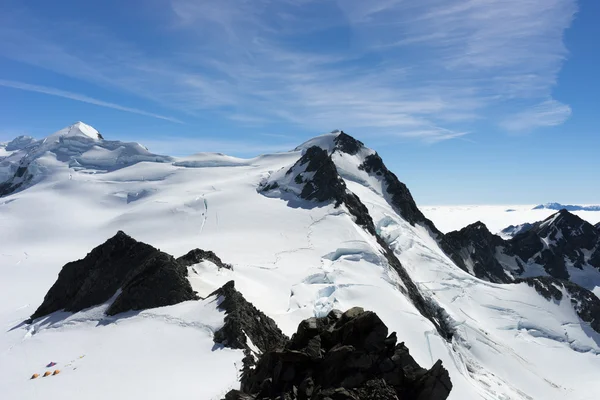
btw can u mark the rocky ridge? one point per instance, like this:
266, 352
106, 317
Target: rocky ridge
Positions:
347, 356
139, 275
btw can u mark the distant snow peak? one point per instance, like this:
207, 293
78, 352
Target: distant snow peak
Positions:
568, 207
78, 129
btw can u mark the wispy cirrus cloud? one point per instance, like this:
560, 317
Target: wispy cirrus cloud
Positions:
544, 114
79, 97
430, 70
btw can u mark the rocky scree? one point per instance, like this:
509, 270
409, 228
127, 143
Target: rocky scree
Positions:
347, 356
145, 276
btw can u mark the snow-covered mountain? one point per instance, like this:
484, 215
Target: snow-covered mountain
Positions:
27, 161
323, 227
562, 246
568, 207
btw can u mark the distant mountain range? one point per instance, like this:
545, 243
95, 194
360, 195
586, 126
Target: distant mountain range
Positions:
568, 207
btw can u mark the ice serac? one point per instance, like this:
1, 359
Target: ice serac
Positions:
19, 143
78, 147
477, 247
245, 326
145, 277
314, 177
342, 356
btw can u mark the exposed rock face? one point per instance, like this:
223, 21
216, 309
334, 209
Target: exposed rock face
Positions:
400, 196
561, 241
243, 321
597, 226
476, 247
325, 184
146, 277
197, 255
21, 177
586, 304
347, 144
558, 241
342, 356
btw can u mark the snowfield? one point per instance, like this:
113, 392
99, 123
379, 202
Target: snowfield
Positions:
291, 259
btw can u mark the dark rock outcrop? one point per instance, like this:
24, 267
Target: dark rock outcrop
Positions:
243, 320
597, 226
145, 276
325, 184
585, 303
477, 247
196, 256
342, 356
347, 144
400, 197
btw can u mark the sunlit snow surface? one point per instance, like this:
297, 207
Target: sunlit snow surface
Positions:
292, 260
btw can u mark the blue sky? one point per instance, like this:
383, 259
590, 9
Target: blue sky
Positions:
468, 101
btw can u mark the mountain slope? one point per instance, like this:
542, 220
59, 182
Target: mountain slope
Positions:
76, 147
292, 258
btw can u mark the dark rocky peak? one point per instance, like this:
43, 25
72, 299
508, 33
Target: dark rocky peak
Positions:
325, 183
399, 195
347, 144
475, 248
342, 356
568, 226
243, 321
557, 242
196, 256
585, 303
145, 276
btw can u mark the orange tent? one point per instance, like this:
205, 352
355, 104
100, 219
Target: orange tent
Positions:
35, 376
47, 373
56, 372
